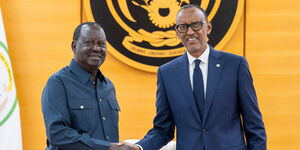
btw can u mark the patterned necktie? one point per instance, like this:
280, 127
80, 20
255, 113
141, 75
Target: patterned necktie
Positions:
198, 87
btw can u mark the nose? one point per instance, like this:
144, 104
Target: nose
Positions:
190, 31
96, 47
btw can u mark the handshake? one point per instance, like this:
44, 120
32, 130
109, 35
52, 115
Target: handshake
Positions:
123, 146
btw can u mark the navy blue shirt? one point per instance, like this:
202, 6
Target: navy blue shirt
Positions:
79, 113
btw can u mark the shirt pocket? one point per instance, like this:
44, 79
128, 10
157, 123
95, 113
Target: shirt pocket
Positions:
81, 115
114, 106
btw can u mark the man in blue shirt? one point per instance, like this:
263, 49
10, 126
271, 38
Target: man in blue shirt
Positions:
79, 104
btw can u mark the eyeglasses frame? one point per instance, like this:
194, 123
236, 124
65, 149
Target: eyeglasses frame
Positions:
190, 25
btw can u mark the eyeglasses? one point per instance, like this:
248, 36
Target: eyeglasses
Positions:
183, 28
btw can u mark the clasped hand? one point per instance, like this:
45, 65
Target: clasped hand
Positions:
123, 146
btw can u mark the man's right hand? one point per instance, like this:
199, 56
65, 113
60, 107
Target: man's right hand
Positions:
123, 146
116, 146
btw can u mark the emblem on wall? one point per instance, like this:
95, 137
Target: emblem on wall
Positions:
141, 33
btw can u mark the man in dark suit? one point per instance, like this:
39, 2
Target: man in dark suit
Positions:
207, 95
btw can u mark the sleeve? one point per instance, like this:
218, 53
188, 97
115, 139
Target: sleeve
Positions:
140, 147
163, 130
57, 119
251, 115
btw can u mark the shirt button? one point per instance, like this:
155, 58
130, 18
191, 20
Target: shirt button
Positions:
100, 99
103, 118
203, 130
81, 107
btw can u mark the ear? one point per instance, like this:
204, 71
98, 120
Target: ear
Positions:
209, 27
73, 46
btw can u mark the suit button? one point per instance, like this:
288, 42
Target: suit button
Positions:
203, 130
103, 118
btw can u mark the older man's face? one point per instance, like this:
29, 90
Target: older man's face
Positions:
90, 48
194, 41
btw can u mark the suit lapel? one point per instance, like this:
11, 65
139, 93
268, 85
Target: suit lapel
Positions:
215, 68
185, 84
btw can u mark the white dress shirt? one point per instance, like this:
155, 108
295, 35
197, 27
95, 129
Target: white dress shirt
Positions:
203, 66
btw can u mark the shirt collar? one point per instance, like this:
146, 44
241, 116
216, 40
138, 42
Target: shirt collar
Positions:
203, 57
82, 74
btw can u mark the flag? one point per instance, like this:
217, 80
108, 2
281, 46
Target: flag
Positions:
10, 128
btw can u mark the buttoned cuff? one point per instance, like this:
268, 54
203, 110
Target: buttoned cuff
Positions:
141, 148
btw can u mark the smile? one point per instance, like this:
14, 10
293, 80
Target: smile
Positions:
94, 57
191, 39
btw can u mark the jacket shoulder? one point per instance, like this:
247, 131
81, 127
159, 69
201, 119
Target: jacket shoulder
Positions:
173, 63
227, 57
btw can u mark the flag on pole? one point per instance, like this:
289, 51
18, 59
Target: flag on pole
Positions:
10, 129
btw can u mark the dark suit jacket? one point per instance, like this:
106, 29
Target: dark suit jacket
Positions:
231, 120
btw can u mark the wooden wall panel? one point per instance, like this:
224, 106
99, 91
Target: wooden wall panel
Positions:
39, 35
272, 48
236, 43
